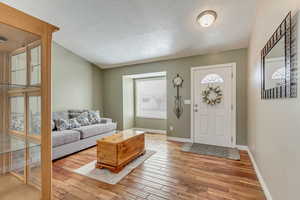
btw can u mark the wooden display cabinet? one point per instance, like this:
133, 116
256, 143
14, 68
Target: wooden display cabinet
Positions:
25, 105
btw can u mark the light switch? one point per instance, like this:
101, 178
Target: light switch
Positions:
187, 101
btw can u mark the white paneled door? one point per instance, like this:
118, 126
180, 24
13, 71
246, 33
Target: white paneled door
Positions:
213, 124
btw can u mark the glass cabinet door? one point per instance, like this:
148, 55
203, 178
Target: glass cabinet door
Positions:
18, 67
20, 127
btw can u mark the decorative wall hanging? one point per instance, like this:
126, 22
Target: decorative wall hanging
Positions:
178, 103
278, 72
212, 95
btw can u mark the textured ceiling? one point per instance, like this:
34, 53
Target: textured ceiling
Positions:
112, 33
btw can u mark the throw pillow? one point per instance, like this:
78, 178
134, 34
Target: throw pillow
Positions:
73, 123
66, 124
94, 117
62, 124
52, 125
83, 119
75, 113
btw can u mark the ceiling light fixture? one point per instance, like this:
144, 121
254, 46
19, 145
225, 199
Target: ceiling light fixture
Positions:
2, 39
207, 18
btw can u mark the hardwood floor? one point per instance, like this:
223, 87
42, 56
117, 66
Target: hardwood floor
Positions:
168, 174
11, 188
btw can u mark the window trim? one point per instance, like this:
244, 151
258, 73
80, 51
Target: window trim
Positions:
136, 114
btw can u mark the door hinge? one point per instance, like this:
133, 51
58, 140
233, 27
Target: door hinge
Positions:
232, 75
231, 139
231, 107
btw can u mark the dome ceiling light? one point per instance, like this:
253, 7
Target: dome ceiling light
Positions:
207, 18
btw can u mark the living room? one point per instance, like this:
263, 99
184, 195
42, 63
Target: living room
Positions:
149, 100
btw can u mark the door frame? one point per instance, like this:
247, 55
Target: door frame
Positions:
233, 101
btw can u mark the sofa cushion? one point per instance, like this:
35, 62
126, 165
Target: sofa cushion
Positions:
60, 115
64, 137
96, 129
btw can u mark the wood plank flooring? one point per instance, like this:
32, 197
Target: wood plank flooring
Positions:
168, 174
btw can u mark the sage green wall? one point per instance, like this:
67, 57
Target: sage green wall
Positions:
113, 88
76, 83
154, 124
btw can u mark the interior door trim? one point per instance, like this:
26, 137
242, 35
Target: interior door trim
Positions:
233, 113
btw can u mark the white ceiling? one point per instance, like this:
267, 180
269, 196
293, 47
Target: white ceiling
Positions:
112, 33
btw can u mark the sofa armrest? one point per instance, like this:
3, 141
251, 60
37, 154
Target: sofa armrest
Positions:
106, 120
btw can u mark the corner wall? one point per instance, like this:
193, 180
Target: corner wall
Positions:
273, 125
113, 88
76, 83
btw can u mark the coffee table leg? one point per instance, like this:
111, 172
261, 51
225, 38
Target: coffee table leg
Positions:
98, 166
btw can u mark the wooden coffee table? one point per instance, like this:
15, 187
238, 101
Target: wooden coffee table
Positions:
116, 151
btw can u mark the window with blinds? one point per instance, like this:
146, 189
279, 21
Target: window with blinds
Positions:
151, 98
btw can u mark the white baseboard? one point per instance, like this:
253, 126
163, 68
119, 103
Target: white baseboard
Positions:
242, 147
260, 177
177, 139
151, 130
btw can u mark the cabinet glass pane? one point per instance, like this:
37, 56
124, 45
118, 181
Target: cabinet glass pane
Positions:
19, 69
35, 55
17, 114
34, 163
17, 162
34, 115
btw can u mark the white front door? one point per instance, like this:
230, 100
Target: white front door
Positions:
212, 124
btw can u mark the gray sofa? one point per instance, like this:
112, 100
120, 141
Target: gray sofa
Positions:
70, 141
